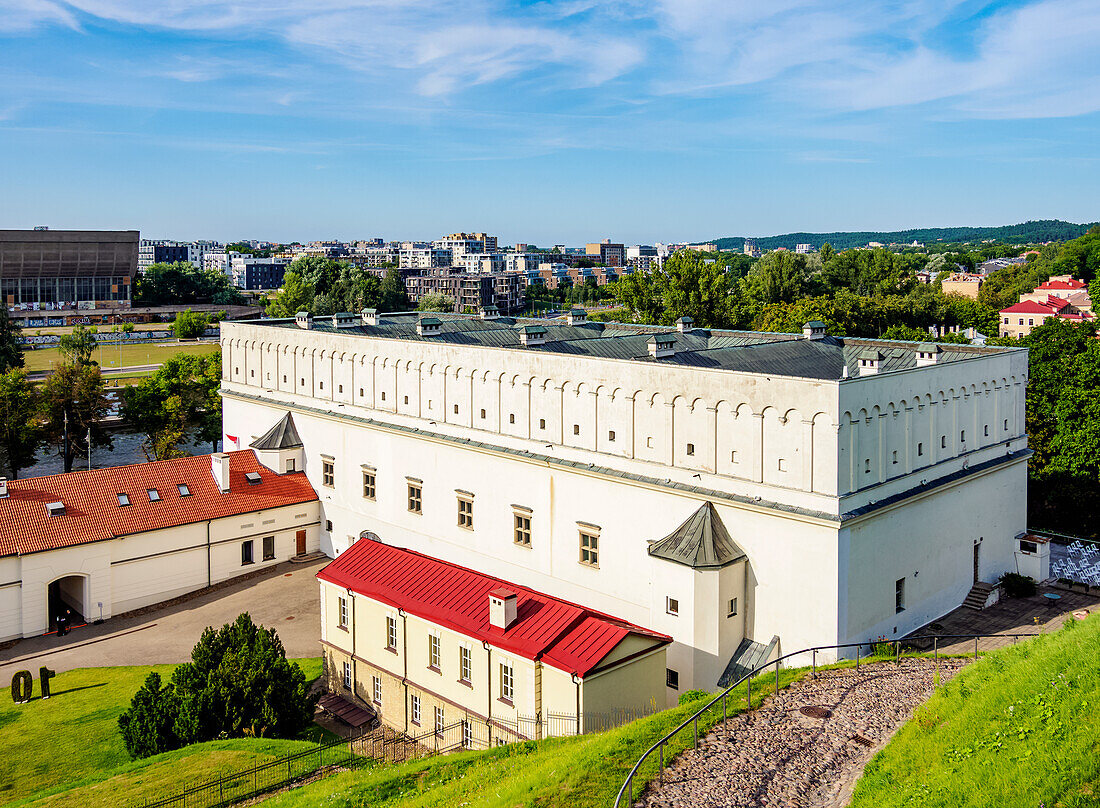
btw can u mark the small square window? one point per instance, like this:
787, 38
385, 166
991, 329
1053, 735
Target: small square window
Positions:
328, 473
1028, 547
414, 498
184, 490
290, 465
672, 679
368, 485
522, 531
123, 500
590, 549
611, 436
269, 548
691, 450
672, 606
466, 513
328, 525
649, 443
731, 611
154, 495
781, 464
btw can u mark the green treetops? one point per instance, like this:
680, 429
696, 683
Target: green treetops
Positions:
436, 302
190, 324
11, 351
179, 401
77, 348
20, 432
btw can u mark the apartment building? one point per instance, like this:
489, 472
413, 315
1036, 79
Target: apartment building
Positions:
606, 253
154, 251
423, 257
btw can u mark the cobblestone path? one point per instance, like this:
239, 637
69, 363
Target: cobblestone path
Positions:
777, 756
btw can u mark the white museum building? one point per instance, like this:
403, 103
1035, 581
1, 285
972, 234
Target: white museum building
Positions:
744, 493
104, 542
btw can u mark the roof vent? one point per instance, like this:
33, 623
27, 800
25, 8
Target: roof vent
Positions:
576, 316
55, 508
304, 319
253, 478
870, 361
429, 326
661, 346
3, 487
369, 316
815, 329
502, 608
490, 312
344, 320
684, 324
927, 354
531, 335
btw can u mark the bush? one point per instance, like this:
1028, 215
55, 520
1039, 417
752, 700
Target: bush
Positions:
190, 324
149, 726
238, 683
1017, 585
692, 695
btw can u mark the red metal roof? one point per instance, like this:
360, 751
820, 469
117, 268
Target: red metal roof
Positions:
562, 634
1072, 283
1052, 305
93, 513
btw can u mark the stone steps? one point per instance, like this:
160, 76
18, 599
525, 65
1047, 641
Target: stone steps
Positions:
977, 596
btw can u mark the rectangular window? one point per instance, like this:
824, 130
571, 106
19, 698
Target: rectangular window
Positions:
590, 549
154, 495
467, 735
269, 548
433, 652
456, 409
368, 485
672, 606
1029, 547
347, 675
1006, 424
343, 613
690, 449
246, 552
507, 682
406, 400
328, 473
672, 678
943, 441
123, 500
542, 423
483, 415
732, 610
466, 513
414, 498
962, 436
611, 436
733, 457
894, 460
416, 710
465, 665
511, 417
391, 633
986, 428
920, 449
438, 720
290, 465
184, 490
576, 429
522, 533
899, 596
377, 690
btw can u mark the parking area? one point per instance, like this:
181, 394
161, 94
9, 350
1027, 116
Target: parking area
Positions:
285, 598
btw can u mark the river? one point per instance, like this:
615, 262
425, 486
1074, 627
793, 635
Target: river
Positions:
127, 449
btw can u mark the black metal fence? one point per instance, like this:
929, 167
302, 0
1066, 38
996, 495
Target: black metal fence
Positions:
376, 745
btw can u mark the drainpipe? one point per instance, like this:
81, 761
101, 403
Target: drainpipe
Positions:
577, 682
354, 673
488, 690
405, 663
209, 571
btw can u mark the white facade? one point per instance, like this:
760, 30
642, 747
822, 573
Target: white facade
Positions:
836, 489
423, 257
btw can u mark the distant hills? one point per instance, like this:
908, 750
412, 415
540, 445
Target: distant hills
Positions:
1028, 232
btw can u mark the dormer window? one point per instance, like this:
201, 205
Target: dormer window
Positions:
253, 478
123, 500
55, 508
184, 490
154, 495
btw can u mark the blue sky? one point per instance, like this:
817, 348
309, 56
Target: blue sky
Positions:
641, 120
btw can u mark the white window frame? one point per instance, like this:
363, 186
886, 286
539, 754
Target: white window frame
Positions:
347, 675
342, 602
435, 655
672, 605
376, 690
507, 682
391, 632
465, 664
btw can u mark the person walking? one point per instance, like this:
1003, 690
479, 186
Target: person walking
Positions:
63, 623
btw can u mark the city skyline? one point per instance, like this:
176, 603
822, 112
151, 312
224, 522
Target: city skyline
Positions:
546, 123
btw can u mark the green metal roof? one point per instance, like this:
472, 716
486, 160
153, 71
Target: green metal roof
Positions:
701, 542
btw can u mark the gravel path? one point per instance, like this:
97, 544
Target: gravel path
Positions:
776, 756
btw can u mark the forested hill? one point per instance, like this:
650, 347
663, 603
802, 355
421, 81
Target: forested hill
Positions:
1026, 233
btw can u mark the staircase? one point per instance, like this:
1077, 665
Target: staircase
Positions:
977, 596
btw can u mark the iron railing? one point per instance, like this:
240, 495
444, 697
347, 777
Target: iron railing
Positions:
627, 788
323, 759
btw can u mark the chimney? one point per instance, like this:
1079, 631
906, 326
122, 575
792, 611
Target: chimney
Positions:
684, 324
576, 316
3, 487
428, 326
490, 312
531, 335
219, 468
927, 354
304, 319
502, 608
815, 329
869, 362
369, 316
661, 346
344, 320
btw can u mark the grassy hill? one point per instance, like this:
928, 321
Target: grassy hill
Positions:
1018, 728
1025, 233
70, 746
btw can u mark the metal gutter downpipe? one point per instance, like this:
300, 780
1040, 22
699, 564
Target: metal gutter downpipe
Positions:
405, 662
488, 690
577, 682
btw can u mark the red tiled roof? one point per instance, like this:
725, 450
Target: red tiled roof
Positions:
92, 512
563, 634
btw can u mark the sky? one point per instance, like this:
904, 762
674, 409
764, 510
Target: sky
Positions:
545, 122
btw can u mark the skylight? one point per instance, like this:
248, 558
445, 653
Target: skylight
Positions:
154, 495
253, 478
184, 490
123, 500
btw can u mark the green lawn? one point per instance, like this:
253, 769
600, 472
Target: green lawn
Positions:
72, 738
108, 355
1018, 728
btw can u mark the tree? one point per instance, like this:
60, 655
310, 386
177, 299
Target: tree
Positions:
183, 282
180, 400
778, 277
436, 302
690, 287
395, 296
78, 347
74, 403
826, 252
148, 727
189, 324
296, 295
20, 432
11, 350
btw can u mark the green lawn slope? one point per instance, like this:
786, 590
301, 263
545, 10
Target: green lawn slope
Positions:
69, 747
1018, 728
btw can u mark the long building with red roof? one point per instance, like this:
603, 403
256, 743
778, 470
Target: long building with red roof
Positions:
428, 644
107, 541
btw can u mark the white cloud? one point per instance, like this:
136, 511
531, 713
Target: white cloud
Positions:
18, 16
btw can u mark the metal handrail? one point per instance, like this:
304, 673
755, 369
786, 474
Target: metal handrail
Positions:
628, 784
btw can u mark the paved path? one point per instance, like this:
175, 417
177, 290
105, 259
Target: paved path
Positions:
285, 599
776, 756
